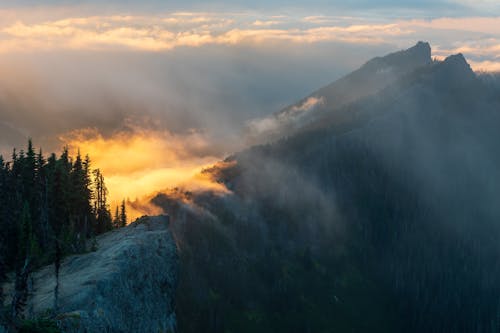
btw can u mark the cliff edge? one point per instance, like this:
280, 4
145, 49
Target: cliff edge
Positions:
127, 285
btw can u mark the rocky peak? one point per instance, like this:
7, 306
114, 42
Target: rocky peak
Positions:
405, 60
458, 62
421, 50
455, 67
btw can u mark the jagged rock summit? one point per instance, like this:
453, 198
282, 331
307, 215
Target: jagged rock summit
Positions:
405, 60
371, 78
330, 104
455, 67
126, 285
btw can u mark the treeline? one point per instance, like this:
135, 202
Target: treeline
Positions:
49, 208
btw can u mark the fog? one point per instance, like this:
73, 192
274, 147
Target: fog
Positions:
189, 88
185, 109
402, 185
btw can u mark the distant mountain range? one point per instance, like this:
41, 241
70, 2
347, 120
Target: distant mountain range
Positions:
374, 208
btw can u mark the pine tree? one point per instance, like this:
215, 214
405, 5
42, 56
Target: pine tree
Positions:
26, 258
59, 203
57, 267
42, 228
123, 214
103, 215
3, 227
3, 277
116, 218
3, 222
79, 206
90, 217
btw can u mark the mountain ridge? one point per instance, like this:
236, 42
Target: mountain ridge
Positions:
419, 54
370, 78
385, 210
453, 72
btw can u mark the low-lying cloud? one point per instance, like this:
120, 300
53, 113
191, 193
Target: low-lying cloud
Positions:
262, 127
138, 162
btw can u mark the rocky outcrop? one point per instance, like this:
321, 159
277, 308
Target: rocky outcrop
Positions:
126, 285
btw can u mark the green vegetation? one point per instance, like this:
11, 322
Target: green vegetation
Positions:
39, 325
385, 223
49, 208
237, 278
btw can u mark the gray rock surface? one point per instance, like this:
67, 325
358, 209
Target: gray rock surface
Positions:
127, 285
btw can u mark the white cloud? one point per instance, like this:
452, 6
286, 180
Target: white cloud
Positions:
308, 105
164, 33
259, 23
487, 66
477, 37
275, 122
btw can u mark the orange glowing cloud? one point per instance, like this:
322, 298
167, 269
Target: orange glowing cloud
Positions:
488, 25
140, 162
486, 66
160, 33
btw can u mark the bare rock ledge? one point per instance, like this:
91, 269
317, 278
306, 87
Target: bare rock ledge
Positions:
127, 285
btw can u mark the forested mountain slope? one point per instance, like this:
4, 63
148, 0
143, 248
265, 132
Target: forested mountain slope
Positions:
385, 219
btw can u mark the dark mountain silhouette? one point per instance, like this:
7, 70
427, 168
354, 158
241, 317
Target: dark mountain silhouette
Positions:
379, 213
372, 77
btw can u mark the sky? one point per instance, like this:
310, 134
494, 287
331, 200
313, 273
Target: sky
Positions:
156, 90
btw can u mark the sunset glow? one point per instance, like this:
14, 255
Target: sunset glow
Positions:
167, 31
142, 162
202, 76
249, 166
